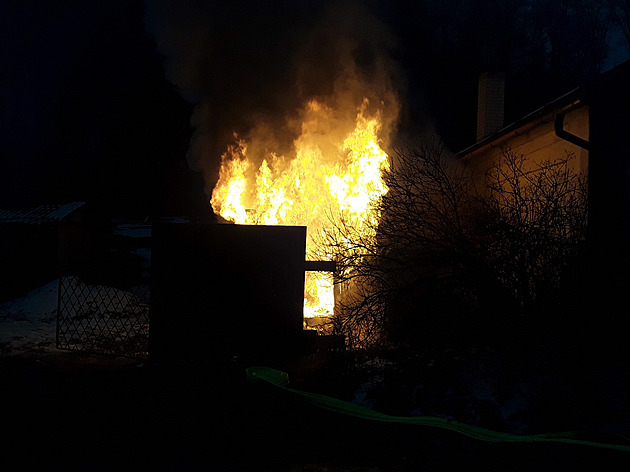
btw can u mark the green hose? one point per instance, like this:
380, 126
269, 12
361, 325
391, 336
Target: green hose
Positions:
281, 380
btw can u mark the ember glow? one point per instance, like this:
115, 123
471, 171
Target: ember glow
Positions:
334, 169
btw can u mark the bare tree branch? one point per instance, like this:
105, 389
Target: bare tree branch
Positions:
442, 249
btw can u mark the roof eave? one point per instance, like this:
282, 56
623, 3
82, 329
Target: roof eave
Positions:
543, 115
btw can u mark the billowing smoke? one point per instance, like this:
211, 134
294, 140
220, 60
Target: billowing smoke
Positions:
250, 67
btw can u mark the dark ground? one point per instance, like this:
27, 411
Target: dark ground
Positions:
77, 412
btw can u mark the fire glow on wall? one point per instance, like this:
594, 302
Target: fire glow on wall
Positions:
333, 170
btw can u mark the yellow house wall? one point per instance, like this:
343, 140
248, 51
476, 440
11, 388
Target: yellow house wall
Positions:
541, 143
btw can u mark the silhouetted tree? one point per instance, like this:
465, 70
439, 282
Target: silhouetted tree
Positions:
453, 252
538, 221
544, 47
621, 14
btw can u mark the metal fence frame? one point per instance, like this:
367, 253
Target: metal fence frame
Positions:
102, 319
104, 291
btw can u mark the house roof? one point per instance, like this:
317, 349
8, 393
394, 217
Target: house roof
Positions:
546, 113
41, 214
542, 115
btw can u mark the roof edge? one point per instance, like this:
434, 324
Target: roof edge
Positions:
570, 100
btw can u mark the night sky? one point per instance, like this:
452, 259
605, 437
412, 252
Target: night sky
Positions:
100, 101
87, 114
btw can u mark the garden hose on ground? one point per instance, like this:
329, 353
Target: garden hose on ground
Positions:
281, 380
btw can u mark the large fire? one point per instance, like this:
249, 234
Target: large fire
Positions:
334, 169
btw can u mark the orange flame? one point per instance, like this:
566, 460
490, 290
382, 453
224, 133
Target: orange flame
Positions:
335, 168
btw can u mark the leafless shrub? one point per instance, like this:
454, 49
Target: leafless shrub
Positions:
539, 215
447, 250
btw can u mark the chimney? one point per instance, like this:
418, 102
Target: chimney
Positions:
490, 103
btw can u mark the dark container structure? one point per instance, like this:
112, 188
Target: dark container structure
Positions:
220, 291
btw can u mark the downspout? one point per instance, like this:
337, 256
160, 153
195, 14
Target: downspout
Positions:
558, 128
514, 132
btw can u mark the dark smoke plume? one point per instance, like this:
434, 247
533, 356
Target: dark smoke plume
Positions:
249, 66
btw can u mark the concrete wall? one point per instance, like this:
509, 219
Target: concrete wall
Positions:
609, 193
225, 290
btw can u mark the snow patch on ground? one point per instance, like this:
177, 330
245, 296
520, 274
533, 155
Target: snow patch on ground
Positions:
29, 323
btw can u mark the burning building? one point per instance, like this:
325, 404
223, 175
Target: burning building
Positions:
333, 173
294, 130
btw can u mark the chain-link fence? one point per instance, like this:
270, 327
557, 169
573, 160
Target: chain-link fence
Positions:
104, 291
105, 279
103, 319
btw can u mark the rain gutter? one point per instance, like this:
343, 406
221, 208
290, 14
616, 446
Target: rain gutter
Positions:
554, 111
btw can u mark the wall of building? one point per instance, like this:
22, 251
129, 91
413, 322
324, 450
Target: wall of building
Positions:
538, 142
609, 196
224, 290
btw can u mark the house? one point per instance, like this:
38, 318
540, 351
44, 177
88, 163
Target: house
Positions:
593, 123
28, 245
557, 128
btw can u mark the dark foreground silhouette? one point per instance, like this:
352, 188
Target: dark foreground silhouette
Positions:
70, 411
